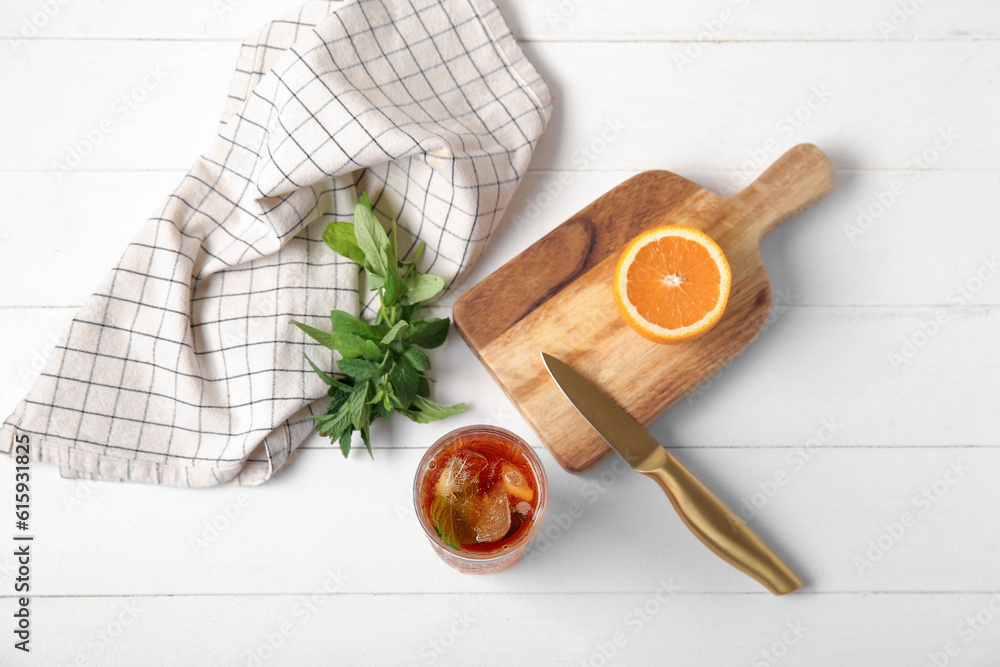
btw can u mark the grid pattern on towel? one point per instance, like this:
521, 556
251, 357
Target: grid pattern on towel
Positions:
183, 368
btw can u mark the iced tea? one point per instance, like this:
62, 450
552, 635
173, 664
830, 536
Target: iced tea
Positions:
480, 494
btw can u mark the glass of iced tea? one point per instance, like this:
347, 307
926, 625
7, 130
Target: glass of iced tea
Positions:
480, 495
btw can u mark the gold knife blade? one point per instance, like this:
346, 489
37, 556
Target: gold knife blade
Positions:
703, 513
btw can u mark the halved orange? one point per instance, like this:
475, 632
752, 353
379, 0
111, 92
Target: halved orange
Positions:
672, 283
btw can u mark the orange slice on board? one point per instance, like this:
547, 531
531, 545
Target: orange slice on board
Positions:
672, 284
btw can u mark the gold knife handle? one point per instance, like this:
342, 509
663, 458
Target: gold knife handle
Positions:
720, 529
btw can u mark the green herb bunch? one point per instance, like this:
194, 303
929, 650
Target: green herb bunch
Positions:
383, 363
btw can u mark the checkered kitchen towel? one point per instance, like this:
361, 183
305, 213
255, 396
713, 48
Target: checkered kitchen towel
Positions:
183, 368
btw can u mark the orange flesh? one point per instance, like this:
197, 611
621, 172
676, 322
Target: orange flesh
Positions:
673, 282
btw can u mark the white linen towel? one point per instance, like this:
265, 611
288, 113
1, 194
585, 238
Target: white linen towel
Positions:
184, 368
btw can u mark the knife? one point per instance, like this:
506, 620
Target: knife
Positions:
706, 516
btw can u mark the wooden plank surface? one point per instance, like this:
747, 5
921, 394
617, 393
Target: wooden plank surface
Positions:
634, 628
740, 105
674, 20
891, 93
820, 505
907, 254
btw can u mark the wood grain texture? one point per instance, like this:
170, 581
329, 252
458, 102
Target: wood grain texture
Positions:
555, 297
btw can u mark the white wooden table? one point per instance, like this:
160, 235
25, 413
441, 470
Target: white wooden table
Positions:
860, 431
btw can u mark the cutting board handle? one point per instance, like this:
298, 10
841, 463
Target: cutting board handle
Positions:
797, 180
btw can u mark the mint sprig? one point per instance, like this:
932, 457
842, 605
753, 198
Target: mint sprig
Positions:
382, 365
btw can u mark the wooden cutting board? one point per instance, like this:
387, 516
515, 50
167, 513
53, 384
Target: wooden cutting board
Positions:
556, 297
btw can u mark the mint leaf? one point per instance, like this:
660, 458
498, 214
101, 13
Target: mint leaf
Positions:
417, 358
395, 289
345, 442
429, 333
360, 369
359, 407
367, 440
373, 241
446, 522
322, 337
338, 399
326, 378
335, 421
341, 239
423, 286
394, 332
405, 382
347, 323
352, 346
429, 411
